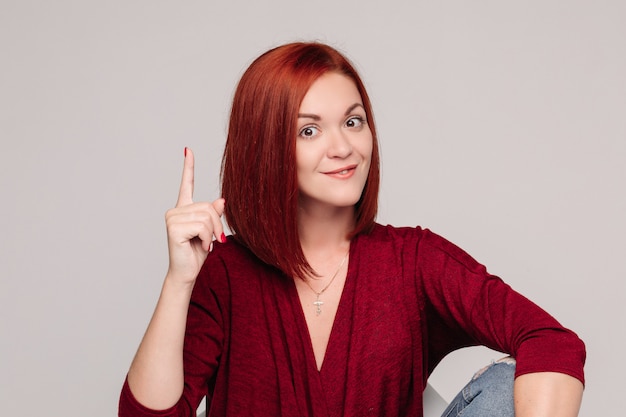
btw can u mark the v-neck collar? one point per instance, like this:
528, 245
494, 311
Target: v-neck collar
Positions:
335, 362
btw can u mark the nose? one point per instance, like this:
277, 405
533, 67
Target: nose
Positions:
339, 145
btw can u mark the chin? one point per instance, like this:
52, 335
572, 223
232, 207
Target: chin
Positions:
331, 196
346, 201
340, 202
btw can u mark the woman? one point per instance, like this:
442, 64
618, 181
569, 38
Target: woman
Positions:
311, 308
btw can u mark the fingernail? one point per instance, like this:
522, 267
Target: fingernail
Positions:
185, 151
223, 238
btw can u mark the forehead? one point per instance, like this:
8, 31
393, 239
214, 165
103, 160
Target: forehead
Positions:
331, 91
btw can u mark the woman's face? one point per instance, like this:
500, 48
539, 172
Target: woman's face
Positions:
334, 144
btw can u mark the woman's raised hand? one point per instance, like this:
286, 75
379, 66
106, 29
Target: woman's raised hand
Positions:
191, 228
156, 376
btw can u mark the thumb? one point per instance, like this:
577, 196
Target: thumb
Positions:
219, 205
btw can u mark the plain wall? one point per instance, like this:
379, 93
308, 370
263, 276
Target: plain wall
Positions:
502, 126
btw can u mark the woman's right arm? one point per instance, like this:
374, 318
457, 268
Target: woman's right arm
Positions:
156, 376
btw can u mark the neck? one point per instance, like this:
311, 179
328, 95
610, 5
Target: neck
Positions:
324, 235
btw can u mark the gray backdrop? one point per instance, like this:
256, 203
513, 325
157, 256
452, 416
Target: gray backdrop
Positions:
502, 125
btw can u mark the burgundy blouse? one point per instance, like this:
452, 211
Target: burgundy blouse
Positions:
410, 298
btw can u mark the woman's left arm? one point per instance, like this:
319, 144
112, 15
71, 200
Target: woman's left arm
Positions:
468, 306
544, 394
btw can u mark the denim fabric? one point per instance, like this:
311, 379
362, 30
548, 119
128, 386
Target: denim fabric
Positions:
488, 394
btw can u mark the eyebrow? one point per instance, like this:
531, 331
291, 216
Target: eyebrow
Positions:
317, 118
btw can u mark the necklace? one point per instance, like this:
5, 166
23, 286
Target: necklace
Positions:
318, 303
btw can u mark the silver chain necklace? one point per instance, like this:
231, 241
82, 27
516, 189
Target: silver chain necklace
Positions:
318, 303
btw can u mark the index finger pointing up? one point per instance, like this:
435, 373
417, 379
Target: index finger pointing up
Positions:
185, 195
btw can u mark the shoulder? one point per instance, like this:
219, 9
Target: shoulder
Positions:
422, 243
230, 263
381, 234
229, 252
403, 236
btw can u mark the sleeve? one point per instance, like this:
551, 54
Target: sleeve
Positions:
204, 339
466, 306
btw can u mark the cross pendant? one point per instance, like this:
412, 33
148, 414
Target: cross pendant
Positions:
318, 304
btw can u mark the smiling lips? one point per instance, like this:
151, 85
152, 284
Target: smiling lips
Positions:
342, 173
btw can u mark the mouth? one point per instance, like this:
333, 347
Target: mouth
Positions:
342, 172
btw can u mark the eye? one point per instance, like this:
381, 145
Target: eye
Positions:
355, 122
308, 132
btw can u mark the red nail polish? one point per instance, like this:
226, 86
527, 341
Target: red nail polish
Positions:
223, 238
185, 151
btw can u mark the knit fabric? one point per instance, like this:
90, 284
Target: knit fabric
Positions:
410, 298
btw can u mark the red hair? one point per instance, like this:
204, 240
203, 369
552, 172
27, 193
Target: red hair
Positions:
259, 179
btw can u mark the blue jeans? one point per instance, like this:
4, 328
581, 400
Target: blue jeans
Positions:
488, 394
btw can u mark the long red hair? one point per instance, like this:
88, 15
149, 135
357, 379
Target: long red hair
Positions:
259, 179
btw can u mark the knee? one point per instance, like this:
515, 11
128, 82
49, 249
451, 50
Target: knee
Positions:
503, 369
488, 394
492, 387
